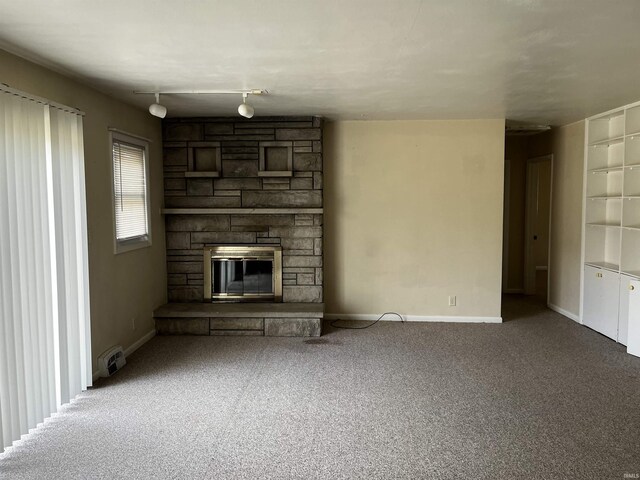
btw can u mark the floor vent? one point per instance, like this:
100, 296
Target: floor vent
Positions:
111, 361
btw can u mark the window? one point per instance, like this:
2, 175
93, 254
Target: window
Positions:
130, 192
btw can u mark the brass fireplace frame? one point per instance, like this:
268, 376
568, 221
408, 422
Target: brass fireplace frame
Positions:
248, 252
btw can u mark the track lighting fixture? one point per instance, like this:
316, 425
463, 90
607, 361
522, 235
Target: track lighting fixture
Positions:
244, 108
156, 109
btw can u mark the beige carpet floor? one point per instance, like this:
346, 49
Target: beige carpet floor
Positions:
535, 397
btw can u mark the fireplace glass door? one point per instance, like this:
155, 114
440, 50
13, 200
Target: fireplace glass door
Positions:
241, 277
243, 273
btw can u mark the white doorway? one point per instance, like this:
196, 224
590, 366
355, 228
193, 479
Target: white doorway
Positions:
539, 177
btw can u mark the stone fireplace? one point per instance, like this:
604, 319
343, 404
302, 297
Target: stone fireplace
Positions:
242, 183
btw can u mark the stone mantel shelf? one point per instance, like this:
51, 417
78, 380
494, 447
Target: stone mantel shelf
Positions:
241, 211
221, 310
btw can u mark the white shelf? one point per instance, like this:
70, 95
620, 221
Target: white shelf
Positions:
607, 169
602, 157
632, 122
631, 213
632, 150
606, 225
604, 213
602, 246
633, 273
603, 183
607, 142
606, 265
607, 129
630, 257
631, 183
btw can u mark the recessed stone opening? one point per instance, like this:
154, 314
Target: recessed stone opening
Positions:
204, 159
276, 158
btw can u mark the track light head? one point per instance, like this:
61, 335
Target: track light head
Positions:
245, 109
156, 109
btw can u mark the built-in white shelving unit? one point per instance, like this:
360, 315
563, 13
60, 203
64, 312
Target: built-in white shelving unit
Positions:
612, 219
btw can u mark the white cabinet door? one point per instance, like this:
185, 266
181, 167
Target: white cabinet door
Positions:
592, 310
633, 337
601, 301
623, 315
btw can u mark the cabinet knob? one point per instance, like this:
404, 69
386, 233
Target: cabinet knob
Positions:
631, 287
599, 275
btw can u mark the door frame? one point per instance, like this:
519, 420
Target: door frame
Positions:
529, 268
506, 211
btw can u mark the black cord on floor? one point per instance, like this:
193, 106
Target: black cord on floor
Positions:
333, 324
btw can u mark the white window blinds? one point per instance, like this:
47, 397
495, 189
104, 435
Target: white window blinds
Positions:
45, 341
130, 189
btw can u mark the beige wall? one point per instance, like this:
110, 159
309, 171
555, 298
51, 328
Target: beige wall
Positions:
566, 217
129, 285
413, 214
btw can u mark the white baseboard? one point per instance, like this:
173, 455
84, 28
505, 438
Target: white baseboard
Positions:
411, 318
133, 347
564, 312
136, 345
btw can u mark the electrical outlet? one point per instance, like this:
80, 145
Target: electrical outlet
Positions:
133, 323
452, 300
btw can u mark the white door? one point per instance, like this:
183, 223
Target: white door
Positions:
633, 337
623, 314
537, 224
601, 301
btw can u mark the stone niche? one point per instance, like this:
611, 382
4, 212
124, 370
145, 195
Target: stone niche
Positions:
244, 182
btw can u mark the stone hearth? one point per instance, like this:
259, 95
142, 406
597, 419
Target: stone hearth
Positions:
261, 319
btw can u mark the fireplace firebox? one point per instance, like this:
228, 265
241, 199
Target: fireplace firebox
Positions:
243, 273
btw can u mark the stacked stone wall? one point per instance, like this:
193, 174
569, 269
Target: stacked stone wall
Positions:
241, 204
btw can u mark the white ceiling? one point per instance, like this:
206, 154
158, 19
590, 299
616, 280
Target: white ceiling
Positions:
551, 61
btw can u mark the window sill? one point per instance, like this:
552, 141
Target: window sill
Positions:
130, 245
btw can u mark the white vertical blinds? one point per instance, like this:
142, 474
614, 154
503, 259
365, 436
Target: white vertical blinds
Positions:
27, 383
69, 206
130, 190
45, 354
